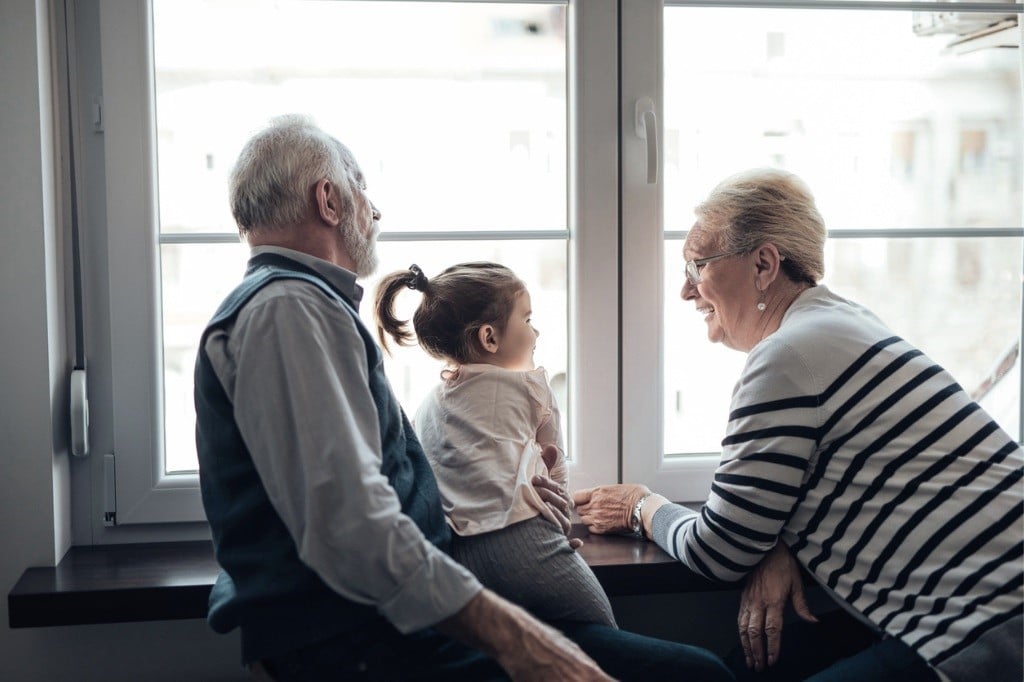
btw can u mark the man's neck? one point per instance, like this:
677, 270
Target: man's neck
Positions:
316, 240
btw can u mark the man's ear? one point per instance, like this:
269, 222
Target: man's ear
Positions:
328, 202
487, 335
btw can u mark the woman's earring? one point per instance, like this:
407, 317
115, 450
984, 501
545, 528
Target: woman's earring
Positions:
761, 304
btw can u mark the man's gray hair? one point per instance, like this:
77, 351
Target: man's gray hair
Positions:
764, 205
271, 184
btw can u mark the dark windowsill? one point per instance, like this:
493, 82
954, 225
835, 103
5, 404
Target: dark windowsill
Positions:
169, 581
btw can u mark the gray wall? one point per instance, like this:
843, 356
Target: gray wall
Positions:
35, 523
34, 489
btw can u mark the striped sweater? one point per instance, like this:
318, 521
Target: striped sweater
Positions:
889, 484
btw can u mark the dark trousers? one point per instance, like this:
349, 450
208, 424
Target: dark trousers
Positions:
383, 654
837, 649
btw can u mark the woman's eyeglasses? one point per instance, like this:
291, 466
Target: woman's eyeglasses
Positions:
693, 267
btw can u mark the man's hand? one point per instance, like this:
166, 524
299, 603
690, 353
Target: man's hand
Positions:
775, 581
523, 646
555, 496
609, 508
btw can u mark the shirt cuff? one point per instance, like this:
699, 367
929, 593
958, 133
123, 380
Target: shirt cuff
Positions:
438, 590
665, 519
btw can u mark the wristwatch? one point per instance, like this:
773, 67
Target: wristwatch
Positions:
636, 521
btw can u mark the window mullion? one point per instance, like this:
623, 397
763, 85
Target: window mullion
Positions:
593, 27
642, 243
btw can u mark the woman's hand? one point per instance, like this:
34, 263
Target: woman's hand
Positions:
775, 581
609, 508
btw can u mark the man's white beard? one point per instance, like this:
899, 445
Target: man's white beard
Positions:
363, 250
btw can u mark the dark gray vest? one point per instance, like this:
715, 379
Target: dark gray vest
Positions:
279, 602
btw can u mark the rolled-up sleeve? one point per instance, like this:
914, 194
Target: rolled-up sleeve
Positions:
295, 367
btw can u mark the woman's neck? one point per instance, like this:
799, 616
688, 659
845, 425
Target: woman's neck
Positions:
778, 299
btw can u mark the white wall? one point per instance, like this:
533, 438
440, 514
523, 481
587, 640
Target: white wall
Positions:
34, 489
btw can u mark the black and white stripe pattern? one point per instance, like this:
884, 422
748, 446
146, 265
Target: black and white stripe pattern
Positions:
889, 484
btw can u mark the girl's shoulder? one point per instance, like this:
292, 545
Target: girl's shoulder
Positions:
473, 370
539, 386
532, 381
474, 376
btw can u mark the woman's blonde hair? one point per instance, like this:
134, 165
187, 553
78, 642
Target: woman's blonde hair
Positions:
764, 205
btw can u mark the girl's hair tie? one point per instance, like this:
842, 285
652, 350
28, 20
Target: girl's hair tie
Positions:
419, 280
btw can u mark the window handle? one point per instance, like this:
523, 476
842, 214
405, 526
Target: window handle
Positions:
647, 129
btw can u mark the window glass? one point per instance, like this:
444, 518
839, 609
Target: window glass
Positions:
196, 278
456, 113
891, 130
958, 300
540, 264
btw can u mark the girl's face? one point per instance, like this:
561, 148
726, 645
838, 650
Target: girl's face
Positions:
517, 341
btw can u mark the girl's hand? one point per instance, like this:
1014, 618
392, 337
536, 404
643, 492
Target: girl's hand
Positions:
609, 508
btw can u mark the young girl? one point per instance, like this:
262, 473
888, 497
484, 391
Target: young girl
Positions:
484, 429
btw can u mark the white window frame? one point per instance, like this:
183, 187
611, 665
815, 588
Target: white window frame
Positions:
681, 478
615, 267
144, 493
687, 477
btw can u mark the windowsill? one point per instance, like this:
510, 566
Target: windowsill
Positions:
170, 581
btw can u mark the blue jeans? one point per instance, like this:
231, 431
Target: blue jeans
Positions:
381, 653
889, 659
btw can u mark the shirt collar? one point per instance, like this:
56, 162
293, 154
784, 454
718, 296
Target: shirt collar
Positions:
342, 279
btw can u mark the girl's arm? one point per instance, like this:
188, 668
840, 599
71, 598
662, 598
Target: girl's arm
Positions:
549, 433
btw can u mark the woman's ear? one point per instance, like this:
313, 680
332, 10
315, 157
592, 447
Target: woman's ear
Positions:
487, 335
768, 261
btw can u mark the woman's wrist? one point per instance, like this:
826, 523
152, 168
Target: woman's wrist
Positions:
650, 507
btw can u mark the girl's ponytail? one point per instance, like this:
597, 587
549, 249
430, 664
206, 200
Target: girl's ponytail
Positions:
455, 304
384, 305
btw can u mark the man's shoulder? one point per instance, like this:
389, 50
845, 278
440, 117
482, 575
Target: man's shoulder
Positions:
292, 293
287, 284
300, 304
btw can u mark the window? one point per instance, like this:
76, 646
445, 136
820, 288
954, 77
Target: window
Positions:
914, 153
460, 130
464, 120
516, 132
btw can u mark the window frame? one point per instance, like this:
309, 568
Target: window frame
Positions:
145, 495
687, 477
615, 265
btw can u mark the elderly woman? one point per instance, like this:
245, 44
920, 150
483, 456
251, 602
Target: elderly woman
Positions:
847, 449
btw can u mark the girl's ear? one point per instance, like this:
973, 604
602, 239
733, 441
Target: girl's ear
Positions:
487, 335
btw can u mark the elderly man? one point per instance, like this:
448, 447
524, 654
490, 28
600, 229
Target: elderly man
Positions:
325, 515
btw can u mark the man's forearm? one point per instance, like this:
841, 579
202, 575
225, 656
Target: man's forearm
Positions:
526, 648
489, 623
